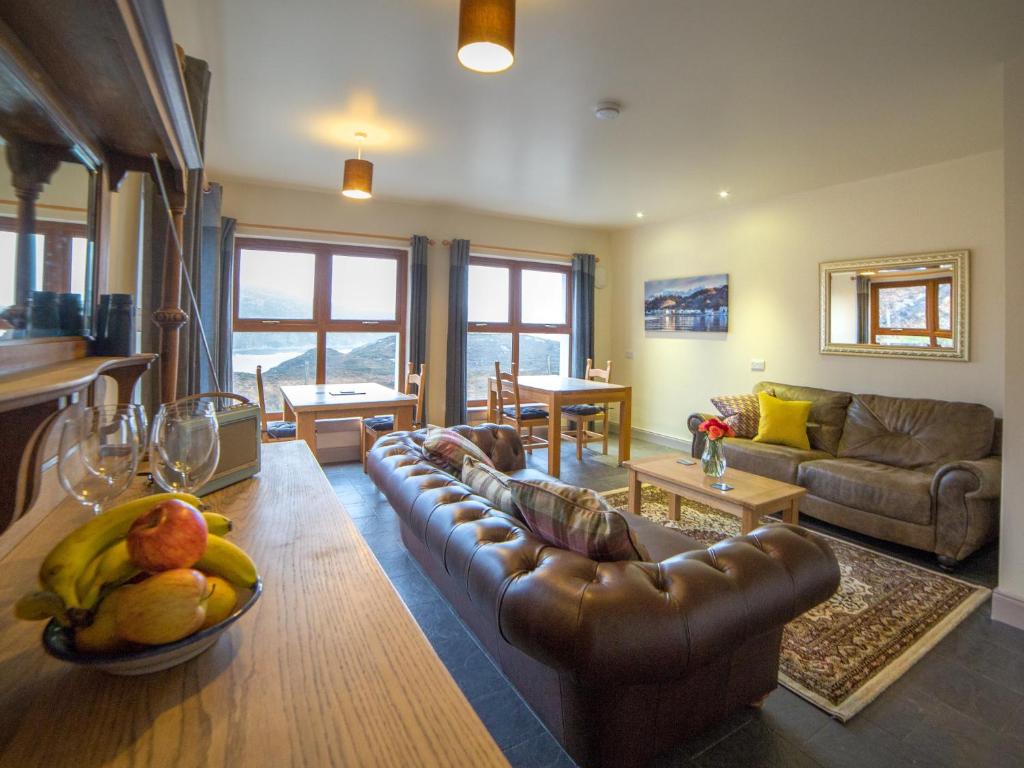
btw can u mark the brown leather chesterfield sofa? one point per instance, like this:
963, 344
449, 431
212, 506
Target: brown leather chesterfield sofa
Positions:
620, 660
922, 473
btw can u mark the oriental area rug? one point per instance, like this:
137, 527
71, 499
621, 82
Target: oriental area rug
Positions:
885, 616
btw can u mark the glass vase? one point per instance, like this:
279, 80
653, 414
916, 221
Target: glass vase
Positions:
713, 459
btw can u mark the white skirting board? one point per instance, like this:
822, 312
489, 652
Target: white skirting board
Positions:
1007, 608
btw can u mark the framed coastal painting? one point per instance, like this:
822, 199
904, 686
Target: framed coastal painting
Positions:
687, 304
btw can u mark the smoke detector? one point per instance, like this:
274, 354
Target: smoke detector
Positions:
607, 110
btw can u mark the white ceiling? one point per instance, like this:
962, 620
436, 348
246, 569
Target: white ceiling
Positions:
762, 97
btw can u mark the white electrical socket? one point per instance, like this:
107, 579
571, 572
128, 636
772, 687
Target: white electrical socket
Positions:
757, 365
629, 354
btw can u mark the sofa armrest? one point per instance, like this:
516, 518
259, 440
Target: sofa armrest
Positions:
698, 440
981, 479
634, 622
965, 495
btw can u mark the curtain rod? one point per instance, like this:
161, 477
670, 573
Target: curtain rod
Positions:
49, 206
315, 231
516, 250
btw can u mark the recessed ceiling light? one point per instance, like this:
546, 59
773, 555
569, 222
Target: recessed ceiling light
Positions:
639, 214
723, 194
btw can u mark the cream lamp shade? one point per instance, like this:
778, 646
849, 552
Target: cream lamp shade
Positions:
487, 34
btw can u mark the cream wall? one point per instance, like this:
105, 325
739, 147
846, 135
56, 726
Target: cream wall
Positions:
252, 203
1008, 603
123, 259
771, 252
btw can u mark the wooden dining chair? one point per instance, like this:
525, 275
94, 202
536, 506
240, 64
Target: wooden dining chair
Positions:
580, 417
510, 409
272, 431
378, 426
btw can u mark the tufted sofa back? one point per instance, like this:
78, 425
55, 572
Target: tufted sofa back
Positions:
618, 622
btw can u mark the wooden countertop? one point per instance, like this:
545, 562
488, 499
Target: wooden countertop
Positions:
329, 668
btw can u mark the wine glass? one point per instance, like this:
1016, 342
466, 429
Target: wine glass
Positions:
185, 445
98, 454
137, 413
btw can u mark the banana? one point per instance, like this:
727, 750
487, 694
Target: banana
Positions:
65, 563
36, 606
229, 561
217, 524
112, 567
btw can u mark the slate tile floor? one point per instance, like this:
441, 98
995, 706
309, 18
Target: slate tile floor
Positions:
962, 705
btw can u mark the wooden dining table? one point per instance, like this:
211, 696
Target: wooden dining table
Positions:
306, 403
557, 391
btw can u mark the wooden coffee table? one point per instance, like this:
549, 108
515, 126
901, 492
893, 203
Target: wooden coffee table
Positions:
750, 498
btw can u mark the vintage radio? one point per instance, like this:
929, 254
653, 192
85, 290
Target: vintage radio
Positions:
239, 428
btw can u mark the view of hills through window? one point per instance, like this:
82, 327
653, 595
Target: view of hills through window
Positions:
277, 327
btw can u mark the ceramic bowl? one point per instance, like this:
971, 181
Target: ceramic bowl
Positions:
59, 642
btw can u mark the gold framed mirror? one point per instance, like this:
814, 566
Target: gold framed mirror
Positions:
915, 306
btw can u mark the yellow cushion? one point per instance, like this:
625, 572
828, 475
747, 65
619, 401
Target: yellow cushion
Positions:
783, 422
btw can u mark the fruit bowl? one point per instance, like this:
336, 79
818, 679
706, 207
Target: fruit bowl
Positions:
59, 642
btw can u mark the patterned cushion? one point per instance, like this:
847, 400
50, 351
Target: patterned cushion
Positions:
526, 413
380, 423
446, 449
740, 412
574, 518
484, 480
277, 429
582, 410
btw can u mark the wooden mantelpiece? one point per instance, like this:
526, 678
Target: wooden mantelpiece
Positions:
329, 668
31, 399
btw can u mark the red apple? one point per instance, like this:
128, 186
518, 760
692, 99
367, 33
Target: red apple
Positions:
171, 535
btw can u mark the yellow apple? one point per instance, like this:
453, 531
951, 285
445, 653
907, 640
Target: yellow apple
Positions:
221, 602
167, 606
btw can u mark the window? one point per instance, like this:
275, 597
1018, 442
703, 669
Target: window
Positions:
316, 313
62, 250
912, 313
519, 312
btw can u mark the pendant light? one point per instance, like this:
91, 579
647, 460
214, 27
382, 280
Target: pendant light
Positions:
358, 180
487, 34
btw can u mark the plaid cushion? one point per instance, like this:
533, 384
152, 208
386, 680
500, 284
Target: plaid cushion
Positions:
741, 412
582, 410
380, 423
484, 480
447, 449
574, 518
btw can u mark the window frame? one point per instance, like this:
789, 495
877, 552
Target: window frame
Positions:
931, 329
56, 249
515, 326
321, 323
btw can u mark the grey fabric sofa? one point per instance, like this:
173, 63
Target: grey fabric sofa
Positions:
923, 473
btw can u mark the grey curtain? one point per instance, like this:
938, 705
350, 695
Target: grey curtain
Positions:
863, 310
225, 315
458, 325
584, 265
201, 207
418, 306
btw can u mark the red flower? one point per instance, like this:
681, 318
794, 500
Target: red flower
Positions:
716, 429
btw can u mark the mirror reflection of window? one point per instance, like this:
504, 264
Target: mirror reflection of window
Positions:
900, 307
61, 255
